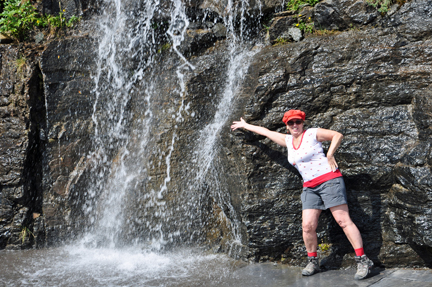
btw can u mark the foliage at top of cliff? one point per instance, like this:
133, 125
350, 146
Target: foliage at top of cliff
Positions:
384, 5
18, 18
295, 5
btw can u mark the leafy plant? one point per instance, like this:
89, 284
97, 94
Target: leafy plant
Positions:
280, 41
382, 4
295, 5
305, 27
324, 246
20, 63
72, 21
164, 47
25, 232
18, 18
60, 21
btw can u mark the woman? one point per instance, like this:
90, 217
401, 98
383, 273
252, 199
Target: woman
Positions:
323, 185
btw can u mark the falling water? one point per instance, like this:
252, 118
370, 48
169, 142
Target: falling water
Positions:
116, 169
123, 151
132, 209
206, 150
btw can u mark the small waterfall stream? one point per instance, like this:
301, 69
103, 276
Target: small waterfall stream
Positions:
115, 169
124, 139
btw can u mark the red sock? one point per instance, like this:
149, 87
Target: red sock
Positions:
312, 254
359, 251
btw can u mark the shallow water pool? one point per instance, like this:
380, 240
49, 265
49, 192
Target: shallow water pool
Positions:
80, 266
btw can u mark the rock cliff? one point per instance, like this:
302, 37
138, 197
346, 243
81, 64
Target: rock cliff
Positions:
369, 79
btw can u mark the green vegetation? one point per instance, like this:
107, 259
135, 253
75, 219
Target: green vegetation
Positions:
19, 17
60, 21
25, 232
280, 41
295, 5
20, 63
324, 246
164, 47
305, 27
382, 4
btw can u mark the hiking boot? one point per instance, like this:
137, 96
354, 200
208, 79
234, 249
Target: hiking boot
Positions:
312, 267
364, 265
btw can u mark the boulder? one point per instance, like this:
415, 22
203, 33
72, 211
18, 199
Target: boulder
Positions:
279, 27
343, 14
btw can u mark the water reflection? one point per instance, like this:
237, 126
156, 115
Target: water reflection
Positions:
80, 266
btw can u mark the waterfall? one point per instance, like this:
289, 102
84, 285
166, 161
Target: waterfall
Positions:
126, 199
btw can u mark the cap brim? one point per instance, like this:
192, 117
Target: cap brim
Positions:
295, 118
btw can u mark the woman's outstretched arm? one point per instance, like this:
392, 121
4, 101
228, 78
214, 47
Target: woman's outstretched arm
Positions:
278, 138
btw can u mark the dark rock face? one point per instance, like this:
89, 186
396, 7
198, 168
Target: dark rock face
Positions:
21, 151
371, 85
279, 25
70, 7
339, 15
45, 130
361, 85
66, 67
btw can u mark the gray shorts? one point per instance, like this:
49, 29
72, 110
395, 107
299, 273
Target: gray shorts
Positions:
327, 194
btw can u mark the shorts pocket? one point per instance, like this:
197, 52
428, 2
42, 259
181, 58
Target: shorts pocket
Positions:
303, 197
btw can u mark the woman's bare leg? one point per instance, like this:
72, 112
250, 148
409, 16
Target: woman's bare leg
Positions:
310, 223
342, 217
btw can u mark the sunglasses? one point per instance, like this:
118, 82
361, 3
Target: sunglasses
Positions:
297, 122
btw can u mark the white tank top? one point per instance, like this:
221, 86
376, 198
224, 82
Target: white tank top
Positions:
308, 157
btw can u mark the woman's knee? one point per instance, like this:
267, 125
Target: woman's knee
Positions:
341, 215
310, 220
309, 227
344, 222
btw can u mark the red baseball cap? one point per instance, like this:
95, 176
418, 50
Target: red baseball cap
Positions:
293, 114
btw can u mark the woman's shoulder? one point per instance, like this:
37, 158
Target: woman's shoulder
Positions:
311, 133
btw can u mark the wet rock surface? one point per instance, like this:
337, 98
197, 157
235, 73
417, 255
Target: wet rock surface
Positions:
66, 67
70, 8
358, 84
22, 135
371, 84
340, 15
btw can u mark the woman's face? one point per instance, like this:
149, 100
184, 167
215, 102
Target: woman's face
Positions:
295, 127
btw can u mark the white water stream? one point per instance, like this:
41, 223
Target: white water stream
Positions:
125, 66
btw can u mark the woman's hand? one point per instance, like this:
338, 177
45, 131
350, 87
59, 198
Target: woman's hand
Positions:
238, 124
332, 162
274, 136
